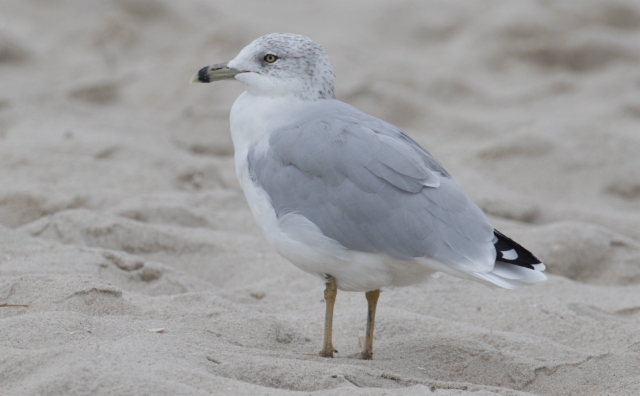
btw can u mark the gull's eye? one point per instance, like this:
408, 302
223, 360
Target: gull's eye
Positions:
270, 58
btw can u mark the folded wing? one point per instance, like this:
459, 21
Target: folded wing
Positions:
371, 188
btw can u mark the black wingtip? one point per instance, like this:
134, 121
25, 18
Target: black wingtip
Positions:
510, 252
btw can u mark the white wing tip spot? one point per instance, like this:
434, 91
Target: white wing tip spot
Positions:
539, 267
510, 254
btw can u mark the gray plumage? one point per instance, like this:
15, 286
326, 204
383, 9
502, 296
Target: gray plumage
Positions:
371, 188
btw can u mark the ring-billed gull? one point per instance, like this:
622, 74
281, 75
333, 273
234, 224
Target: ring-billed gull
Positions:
346, 196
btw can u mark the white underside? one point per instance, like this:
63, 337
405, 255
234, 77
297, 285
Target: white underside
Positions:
302, 243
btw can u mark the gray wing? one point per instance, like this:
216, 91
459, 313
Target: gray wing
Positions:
373, 189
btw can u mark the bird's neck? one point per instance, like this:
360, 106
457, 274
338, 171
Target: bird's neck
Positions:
303, 88
255, 116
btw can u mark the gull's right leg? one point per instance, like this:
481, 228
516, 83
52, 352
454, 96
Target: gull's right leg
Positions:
372, 300
330, 293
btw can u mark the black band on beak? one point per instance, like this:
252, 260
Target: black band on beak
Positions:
203, 75
217, 72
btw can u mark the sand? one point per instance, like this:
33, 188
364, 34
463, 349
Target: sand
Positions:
124, 233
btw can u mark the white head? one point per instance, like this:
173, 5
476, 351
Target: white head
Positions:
278, 64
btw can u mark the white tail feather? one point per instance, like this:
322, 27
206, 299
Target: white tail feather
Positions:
510, 276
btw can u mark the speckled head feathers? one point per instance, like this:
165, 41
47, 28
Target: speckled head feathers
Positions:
301, 67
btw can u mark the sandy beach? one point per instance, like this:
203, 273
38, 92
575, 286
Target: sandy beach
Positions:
130, 263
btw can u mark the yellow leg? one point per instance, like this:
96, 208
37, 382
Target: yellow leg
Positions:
372, 300
330, 293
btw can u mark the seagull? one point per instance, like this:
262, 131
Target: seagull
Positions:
346, 196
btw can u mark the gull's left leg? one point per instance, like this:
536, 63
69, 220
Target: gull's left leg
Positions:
330, 292
372, 300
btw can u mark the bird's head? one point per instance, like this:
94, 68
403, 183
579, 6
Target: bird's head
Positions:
278, 64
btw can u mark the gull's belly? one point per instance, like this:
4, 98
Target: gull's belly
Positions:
302, 243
